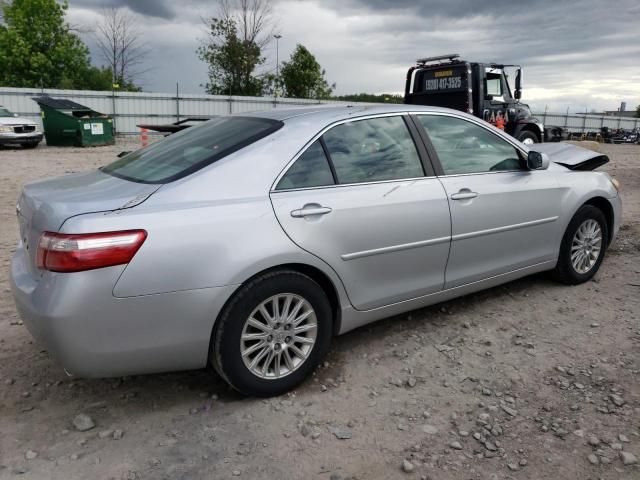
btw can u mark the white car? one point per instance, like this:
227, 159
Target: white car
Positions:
15, 130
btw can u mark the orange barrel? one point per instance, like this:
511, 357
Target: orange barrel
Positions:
144, 137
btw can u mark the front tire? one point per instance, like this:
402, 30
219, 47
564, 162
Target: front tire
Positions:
583, 246
528, 138
273, 333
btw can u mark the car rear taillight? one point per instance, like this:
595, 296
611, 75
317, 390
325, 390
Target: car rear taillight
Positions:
61, 252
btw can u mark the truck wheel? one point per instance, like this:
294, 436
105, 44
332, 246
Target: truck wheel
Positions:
528, 138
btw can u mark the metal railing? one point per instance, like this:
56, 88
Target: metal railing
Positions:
131, 108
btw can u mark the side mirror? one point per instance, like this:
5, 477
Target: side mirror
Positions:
537, 161
518, 92
15, 114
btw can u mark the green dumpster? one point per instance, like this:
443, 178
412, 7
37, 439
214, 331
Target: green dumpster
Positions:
68, 123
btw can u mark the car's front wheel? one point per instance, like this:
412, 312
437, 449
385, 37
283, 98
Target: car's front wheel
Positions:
583, 246
528, 138
272, 334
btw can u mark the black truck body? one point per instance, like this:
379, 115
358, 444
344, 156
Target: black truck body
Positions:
481, 89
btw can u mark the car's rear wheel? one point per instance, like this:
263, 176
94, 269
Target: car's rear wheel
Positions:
272, 334
583, 246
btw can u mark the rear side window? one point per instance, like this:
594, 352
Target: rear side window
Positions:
311, 169
373, 150
191, 149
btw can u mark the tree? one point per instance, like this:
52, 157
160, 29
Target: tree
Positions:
233, 49
303, 77
38, 48
121, 47
372, 97
94, 78
638, 111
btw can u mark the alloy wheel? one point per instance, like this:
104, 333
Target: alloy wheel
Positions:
278, 336
586, 246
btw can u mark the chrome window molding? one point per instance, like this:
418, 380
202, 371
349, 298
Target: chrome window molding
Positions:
357, 184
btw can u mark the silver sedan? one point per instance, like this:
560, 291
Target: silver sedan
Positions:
248, 242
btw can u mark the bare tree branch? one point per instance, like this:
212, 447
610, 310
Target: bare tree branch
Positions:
121, 46
253, 18
237, 34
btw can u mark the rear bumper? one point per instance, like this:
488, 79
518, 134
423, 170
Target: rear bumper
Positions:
18, 138
91, 333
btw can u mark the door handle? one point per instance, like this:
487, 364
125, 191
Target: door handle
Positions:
310, 210
464, 194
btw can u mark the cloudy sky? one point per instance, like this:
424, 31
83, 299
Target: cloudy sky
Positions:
582, 54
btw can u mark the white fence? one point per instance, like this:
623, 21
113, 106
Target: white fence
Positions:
588, 123
130, 109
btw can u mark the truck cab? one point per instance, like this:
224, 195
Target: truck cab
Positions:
481, 89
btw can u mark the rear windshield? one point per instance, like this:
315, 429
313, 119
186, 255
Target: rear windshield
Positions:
191, 149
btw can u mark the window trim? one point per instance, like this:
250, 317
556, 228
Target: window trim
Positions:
327, 158
433, 154
427, 166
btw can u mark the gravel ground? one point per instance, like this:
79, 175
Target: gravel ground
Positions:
529, 380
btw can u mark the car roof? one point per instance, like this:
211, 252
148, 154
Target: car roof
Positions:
327, 113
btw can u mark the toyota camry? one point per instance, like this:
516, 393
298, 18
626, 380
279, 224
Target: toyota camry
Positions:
248, 242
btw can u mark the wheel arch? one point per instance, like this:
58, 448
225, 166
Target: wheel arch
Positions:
317, 275
529, 127
605, 207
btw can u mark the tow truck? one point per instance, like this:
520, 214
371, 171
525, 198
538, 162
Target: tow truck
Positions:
481, 89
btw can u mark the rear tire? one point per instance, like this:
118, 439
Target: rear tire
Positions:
527, 138
289, 346
583, 246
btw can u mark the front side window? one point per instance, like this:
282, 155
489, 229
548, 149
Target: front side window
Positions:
5, 113
373, 150
191, 149
311, 169
464, 147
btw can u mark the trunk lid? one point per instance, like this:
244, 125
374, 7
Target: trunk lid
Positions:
572, 156
45, 205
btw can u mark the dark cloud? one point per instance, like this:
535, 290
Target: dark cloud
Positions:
445, 8
575, 54
151, 8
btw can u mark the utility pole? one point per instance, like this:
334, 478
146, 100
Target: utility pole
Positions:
177, 102
277, 37
114, 85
